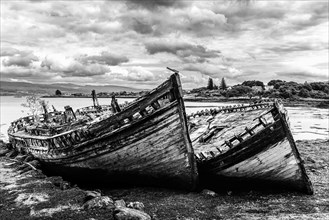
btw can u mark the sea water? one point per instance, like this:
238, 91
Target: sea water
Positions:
306, 122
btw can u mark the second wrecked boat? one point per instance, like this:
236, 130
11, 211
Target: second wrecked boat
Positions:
250, 145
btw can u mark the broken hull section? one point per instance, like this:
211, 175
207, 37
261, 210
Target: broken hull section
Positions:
266, 159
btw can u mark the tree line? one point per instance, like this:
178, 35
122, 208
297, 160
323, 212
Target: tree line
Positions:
274, 89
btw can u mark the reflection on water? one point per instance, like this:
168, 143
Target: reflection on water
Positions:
306, 122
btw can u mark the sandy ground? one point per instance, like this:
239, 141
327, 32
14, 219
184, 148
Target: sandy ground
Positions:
34, 196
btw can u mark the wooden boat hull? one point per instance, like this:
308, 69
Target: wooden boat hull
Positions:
268, 158
153, 149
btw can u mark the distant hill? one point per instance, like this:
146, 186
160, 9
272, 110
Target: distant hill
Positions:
49, 89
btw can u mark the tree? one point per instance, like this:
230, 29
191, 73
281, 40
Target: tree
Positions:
239, 90
253, 83
58, 92
35, 105
210, 84
276, 83
307, 86
223, 85
304, 93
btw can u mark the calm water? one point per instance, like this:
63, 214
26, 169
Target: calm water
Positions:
306, 122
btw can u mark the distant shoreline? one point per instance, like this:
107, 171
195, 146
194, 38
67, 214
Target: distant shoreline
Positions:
87, 96
318, 103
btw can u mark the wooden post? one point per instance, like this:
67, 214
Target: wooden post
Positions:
115, 106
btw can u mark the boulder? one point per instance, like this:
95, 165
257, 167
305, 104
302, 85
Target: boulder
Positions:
136, 205
124, 213
92, 194
120, 203
103, 202
209, 192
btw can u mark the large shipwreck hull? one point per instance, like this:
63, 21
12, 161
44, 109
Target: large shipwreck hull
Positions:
252, 147
146, 143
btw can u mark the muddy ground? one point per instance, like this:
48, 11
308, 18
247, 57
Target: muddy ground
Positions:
51, 201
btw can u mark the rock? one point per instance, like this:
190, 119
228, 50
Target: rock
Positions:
92, 194
120, 203
136, 205
99, 202
12, 154
209, 192
123, 213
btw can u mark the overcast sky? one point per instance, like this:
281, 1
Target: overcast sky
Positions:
130, 43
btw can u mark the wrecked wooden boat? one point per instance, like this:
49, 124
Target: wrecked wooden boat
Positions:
145, 143
247, 146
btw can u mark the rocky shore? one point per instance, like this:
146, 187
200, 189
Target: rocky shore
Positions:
26, 193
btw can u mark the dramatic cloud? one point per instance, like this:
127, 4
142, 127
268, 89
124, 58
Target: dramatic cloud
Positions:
18, 58
105, 58
293, 47
214, 71
130, 42
136, 73
7, 51
302, 75
155, 4
67, 67
181, 49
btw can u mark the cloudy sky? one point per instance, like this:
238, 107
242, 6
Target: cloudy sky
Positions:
130, 43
